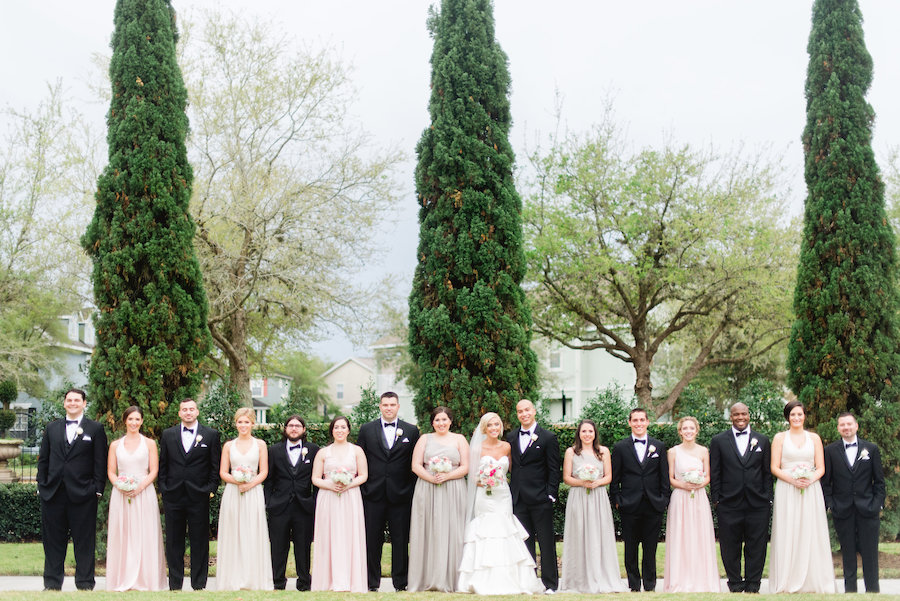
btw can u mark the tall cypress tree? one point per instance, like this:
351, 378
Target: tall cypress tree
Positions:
843, 350
469, 323
151, 307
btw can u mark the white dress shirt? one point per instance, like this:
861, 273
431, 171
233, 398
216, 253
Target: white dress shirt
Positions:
743, 440
187, 438
640, 449
390, 432
71, 429
852, 451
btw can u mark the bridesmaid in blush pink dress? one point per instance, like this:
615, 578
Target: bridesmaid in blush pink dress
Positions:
691, 565
134, 548
339, 547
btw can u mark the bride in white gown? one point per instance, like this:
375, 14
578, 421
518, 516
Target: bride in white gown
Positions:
495, 560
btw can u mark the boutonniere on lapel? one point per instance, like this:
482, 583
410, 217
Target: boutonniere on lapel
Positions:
303, 452
753, 443
397, 434
79, 431
864, 455
197, 440
651, 452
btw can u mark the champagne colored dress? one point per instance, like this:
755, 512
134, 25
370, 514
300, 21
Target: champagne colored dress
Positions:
339, 550
590, 563
801, 548
691, 564
244, 554
436, 526
135, 559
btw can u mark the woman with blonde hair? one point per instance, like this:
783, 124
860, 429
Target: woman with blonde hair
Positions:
244, 554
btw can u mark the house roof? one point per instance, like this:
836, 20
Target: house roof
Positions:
367, 363
389, 341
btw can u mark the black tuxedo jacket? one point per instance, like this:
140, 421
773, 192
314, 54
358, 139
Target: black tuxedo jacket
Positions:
390, 470
80, 467
860, 487
633, 479
734, 478
287, 483
194, 474
534, 473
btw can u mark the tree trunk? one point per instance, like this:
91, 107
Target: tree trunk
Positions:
643, 388
231, 338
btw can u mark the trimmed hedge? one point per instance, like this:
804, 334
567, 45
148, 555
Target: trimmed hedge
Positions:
20, 513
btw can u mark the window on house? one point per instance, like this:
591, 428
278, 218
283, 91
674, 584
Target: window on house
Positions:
340, 392
555, 360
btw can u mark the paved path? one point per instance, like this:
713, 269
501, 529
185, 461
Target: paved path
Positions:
36, 583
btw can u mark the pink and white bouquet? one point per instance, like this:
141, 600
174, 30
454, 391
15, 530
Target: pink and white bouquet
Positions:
803, 471
490, 477
341, 475
693, 477
440, 464
126, 483
588, 473
243, 473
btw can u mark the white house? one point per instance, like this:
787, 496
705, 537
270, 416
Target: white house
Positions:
345, 380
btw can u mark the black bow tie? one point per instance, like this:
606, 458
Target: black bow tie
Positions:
639, 441
849, 444
69, 422
524, 433
295, 447
191, 430
740, 432
394, 424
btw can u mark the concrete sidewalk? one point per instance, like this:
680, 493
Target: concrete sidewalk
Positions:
36, 583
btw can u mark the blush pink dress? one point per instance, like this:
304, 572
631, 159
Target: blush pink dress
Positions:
691, 565
135, 559
339, 550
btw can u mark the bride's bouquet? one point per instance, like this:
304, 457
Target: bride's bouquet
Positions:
341, 475
440, 464
490, 476
243, 473
803, 471
588, 473
693, 477
126, 483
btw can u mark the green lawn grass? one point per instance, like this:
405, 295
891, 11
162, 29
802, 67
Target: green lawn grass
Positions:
27, 559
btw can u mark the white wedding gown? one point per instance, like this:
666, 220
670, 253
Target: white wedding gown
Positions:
495, 560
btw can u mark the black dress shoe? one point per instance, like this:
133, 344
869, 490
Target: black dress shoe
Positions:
51, 588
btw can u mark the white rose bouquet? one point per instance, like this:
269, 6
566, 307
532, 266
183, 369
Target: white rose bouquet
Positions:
588, 473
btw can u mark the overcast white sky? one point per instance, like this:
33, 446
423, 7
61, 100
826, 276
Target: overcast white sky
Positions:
699, 71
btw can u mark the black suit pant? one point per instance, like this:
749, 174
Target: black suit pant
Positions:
291, 525
743, 531
858, 534
59, 518
538, 522
641, 527
396, 517
191, 517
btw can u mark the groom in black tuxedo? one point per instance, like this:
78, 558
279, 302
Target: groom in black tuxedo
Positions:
189, 458
534, 484
71, 477
640, 490
741, 492
854, 491
388, 443
291, 502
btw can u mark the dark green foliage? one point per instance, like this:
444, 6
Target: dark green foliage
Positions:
218, 407
844, 341
151, 307
367, 408
469, 324
696, 402
20, 513
765, 400
609, 410
8, 393
7, 419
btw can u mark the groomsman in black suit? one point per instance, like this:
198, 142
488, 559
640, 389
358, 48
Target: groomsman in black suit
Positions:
534, 485
741, 492
189, 458
291, 502
71, 477
388, 443
853, 485
640, 490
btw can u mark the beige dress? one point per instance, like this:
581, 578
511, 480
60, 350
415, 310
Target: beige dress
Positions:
801, 549
437, 524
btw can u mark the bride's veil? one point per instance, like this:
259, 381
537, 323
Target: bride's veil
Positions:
475, 461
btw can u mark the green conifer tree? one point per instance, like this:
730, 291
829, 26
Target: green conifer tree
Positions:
151, 307
843, 347
469, 323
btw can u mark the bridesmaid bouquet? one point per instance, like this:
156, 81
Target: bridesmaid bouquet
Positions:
243, 474
692, 477
802, 471
588, 473
126, 483
440, 464
489, 476
340, 475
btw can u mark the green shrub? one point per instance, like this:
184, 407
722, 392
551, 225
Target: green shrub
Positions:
8, 393
609, 410
20, 513
7, 419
